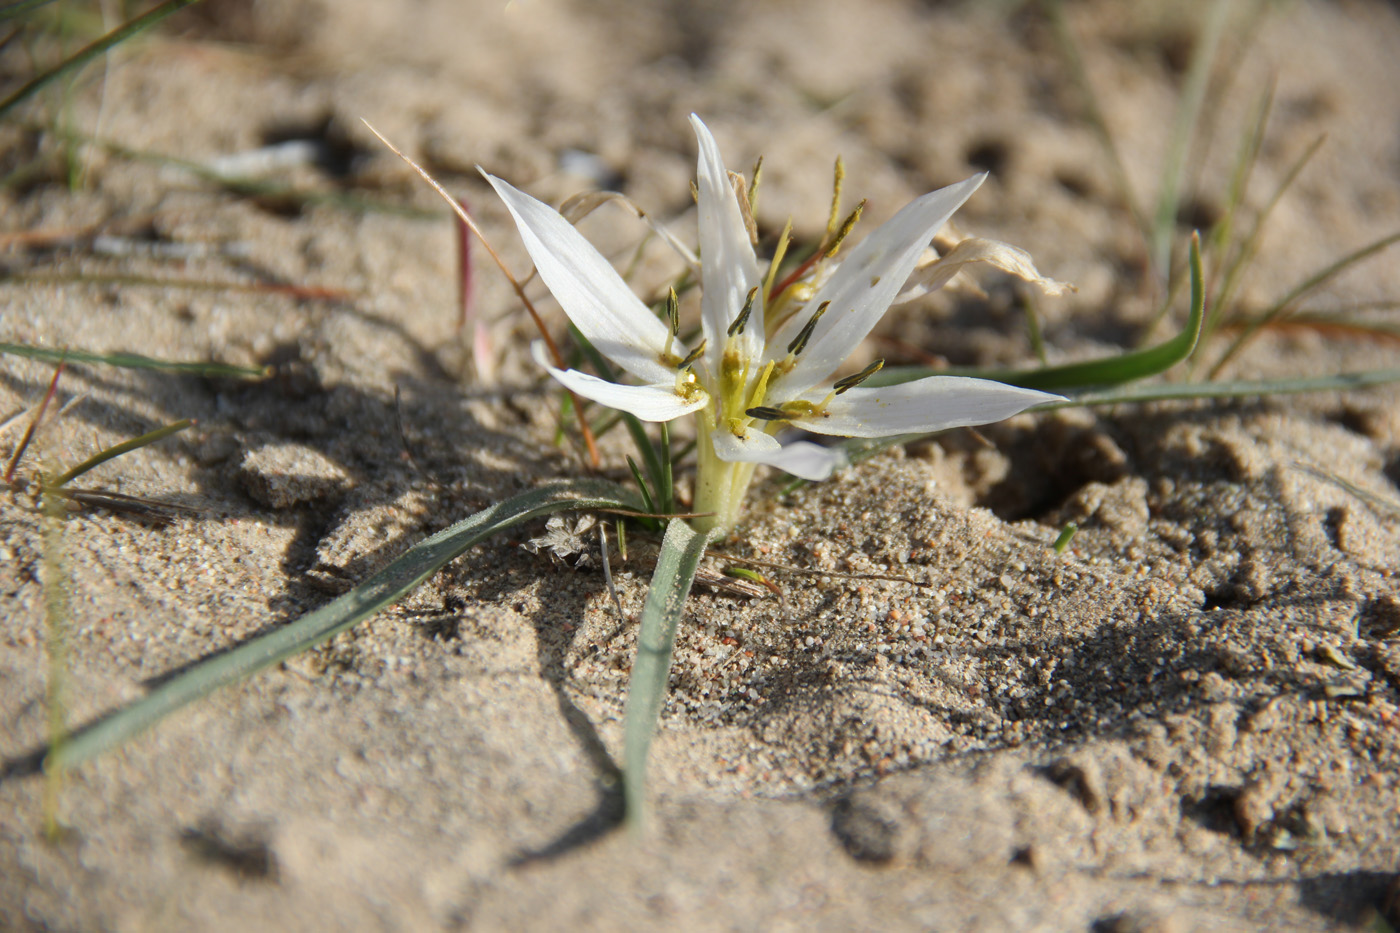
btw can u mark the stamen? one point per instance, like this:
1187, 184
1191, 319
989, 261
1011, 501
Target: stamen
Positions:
760, 388
673, 320
845, 230
800, 341
850, 382
753, 185
741, 194
779, 252
738, 326
694, 355
766, 414
835, 200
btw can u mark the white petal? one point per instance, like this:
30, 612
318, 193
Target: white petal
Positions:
809, 461
800, 458
931, 404
752, 447
589, 290
862, 287
728, 267
649, 403
1009, 259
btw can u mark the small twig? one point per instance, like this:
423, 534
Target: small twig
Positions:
33, 425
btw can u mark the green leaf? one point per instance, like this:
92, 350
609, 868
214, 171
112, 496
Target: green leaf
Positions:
861, 448
1338, 382
1115, 370
676, 565
135, 361
386, 587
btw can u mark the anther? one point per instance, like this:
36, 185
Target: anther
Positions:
850, 382
753, 185
673, 312
846, 227
763, 413
694, 355
800, 341
738, 326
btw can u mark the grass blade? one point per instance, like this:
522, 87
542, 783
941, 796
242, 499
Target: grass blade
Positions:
416, 565
1188, 114
136, 361
93, 50
1115, 370
676, 565
860, 448
1185, 391
150, 437
1299, 292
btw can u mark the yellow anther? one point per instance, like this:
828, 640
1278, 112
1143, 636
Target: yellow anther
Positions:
831, 222
845, 230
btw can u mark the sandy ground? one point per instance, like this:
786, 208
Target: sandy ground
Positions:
1187, 721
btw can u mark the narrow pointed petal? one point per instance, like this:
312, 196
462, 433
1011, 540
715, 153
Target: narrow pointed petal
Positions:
589, 289
1009, 259
800, 458
935, 403
728, 266
863, 286
750, 448
649, 402
810, 461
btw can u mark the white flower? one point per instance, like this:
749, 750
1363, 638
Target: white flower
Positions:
762, 358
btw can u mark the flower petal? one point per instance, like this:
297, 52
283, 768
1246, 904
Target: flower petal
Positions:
728, 267
649, 402
934, 403
815, 462
862, 287
1009, 259
589, 289
800, 458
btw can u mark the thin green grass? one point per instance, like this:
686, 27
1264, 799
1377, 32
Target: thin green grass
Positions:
137, 361
53, 507
1227, 249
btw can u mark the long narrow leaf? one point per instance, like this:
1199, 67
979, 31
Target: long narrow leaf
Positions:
858, 449
384, 588
1338, 382
136, 361
1188, 114
1115, 370
1302, 290
681, 551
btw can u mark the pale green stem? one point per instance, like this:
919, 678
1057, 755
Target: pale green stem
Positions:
720, 487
